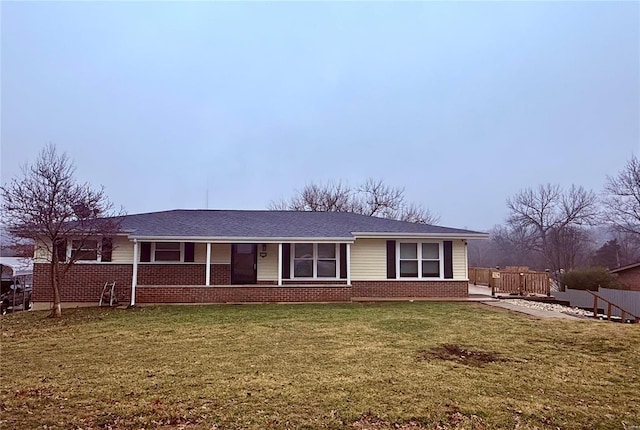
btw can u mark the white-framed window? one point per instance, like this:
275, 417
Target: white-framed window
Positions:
315, 260
84, 250
419, 260
167, 251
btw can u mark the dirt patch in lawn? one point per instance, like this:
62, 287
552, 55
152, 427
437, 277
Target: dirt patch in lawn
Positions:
459, 354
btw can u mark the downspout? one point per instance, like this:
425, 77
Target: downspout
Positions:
134, 279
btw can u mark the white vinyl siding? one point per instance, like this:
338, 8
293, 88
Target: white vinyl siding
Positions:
41, 253
122, 250
268, 266
369, 260
459, 259
220, 253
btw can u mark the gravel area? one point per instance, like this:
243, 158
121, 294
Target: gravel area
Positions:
550, 307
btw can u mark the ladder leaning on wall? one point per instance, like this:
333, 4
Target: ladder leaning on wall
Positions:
108, 294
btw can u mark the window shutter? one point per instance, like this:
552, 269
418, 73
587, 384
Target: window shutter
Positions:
189, 252
60, 248
448, 259
286, 261
343, 261
145, 252
107, 248
391, 259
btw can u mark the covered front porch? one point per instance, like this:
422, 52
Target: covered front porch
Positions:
181, 272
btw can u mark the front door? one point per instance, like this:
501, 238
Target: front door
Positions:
244, 263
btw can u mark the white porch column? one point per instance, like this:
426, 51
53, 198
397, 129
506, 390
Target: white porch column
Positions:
134, 278
208, 270
280, 264
348, 264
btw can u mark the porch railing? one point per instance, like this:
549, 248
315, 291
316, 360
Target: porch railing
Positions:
611, 305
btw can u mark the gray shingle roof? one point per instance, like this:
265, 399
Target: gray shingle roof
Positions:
271, 224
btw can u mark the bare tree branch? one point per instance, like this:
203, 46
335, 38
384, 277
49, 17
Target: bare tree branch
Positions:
372, 198
47, 205
622, 198
550, 220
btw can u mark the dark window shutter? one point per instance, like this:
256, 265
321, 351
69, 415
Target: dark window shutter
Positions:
145, 252
189, 252
448, 259
286, 261
60, 248
343, 261
107, 248
391, 259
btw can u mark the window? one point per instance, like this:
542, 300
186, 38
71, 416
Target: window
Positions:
408, 260
168, 251
86, 250
430, 260
419, 260
327, 261
303, 260
315, 260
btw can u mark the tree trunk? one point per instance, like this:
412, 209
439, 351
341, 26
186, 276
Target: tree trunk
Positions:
56, 311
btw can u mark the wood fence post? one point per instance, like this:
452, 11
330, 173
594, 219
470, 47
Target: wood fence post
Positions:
521, 292
493, 281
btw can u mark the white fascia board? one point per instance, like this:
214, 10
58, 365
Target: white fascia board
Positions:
200, 239
385, 235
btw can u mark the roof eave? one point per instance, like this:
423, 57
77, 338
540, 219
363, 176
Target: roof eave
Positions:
623, 268
241, 239
400, 235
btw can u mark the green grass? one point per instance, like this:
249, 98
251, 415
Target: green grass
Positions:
315, 366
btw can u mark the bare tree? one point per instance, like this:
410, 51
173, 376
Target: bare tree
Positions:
372, 198
48, 206
514, 246
551, 218
622, 198
629, 247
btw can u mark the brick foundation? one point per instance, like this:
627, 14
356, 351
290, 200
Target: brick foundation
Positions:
290, 282
242, 293
184, 283
83, 282
410, 289
171, 274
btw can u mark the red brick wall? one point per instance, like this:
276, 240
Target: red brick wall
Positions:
182, 274
290, 282
220, 274
410, 289
241, 294
83, 282
171, 274
631, 278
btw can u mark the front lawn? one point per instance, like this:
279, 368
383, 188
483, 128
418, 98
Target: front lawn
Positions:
392, 365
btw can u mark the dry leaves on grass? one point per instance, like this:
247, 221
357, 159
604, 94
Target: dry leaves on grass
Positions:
369, 421
454, 420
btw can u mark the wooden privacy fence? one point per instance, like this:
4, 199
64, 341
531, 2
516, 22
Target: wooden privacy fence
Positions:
520, 281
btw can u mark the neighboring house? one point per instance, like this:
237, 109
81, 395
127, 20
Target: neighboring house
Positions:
629, 275
221, 256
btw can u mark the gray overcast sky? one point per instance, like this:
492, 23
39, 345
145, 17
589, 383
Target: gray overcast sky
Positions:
463, 104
